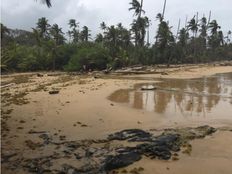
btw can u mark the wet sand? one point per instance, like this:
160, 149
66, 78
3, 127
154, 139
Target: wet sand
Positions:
212, 155
82, 110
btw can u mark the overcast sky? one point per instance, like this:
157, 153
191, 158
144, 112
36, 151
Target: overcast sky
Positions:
23, 14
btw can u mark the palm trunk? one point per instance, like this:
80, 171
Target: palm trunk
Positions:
165, 1
178, 28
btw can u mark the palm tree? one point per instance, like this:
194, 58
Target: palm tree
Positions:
216, 37
203, 29
72, 23
193, 26
140, 24
43, 27
103, 26
214, 27
203, 32
165, 40
183, 37
159, 17
137, 7
164, 8
58, 38
182, 43
85, 35
99, 38
73, 33
57, 34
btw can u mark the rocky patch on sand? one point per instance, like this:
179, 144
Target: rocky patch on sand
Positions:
103, 156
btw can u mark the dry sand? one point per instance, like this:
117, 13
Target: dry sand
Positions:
81, 110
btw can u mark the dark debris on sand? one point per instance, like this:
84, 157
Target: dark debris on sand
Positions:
98, 156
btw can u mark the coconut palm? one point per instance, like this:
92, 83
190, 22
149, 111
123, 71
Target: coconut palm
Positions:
183, 37
73, 33
137, 7
203, 28
99, 38
193, 26
43, 27
103, 26
214, 27
85, 35
57, 34
72, 24
140, 24
164, 41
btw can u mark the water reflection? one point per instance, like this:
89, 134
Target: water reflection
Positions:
187, 97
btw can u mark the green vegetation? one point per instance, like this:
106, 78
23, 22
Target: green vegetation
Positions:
48, 48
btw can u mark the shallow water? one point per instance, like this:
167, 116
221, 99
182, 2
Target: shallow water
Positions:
206, 97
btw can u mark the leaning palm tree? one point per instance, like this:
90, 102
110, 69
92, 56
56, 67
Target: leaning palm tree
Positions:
137, 7
72, 23
214, 27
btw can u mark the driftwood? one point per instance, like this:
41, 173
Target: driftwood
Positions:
7, 85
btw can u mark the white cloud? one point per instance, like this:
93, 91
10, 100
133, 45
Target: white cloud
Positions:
24, 14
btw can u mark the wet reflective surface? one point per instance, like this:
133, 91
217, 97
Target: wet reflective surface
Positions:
208, 96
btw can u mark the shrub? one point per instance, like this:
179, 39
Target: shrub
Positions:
91, 58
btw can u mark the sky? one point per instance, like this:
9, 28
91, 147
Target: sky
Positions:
23, 14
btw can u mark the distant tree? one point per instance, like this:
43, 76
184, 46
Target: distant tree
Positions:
165, 41
193, 26
103, 26
137, 7
140, 24
203, 32
182, 44
57, 34
99, 38
73, 33
85, 35
216, 38
228, 37
43, 27
213, 26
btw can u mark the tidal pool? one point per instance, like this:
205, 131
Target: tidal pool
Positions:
206, 97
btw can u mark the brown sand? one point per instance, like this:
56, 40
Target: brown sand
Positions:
83, 101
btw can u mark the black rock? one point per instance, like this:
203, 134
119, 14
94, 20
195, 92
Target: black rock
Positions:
161, 147
131, 135
170, 141
121, 160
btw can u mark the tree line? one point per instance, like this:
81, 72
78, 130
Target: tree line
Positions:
47, 47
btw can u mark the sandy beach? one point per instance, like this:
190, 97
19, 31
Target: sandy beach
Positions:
84, 109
